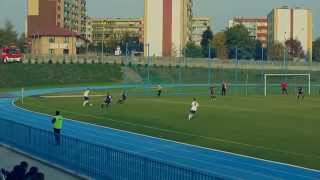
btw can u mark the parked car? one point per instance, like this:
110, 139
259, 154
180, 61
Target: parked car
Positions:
10, 54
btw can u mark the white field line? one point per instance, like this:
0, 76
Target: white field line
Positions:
70, 96
154, 100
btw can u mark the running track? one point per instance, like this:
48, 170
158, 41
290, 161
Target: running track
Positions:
218, 162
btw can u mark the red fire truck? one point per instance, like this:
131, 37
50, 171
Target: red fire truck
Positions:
10, 54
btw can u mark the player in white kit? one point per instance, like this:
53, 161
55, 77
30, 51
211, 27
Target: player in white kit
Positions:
86, 97
193, 109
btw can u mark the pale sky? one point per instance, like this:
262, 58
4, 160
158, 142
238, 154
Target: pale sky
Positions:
219, 10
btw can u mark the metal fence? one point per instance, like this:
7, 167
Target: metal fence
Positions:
195, 76
94, 160
169, 61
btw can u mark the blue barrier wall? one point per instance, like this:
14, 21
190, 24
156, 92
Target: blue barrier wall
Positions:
93, 160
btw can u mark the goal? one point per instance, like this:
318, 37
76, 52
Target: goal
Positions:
307, 76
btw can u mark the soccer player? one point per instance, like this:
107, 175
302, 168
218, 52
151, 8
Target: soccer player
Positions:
159, 90
300, 93
284, 88
213, 93
123, 98
86, 97
193, 109
107, 101
224, 88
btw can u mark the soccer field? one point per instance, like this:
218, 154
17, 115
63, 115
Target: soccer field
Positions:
278, 128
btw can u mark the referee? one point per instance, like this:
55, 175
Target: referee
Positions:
57, 122
224, 88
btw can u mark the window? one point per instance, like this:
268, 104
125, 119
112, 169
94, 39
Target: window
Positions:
66, 51
51, 51
66, 39
52, 39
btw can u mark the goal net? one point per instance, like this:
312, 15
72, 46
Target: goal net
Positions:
272, 83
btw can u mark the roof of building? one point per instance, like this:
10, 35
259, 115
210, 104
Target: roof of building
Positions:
201, 18
56, 31
287, 7
243, 18
115, 19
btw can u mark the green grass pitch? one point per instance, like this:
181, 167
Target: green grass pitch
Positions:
278, 128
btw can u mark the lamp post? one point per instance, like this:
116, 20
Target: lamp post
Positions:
102, 42
148, 49
126, 49
237, 55
148, 59
285, 49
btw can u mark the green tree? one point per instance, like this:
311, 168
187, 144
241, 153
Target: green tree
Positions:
22, 43
294, 48
130, 42
316, 50
111, 43
219, 44
192, 50
260, 51
206, 40
275, 52
8, 35
239, 41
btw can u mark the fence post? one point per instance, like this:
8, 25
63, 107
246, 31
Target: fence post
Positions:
247, 79
22, 95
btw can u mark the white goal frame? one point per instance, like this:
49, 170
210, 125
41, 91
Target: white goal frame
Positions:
267, 75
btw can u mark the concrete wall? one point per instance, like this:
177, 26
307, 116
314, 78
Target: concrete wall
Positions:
291, 23
283, 25
153, 27
300, 26
165, 26
177, 29
41, 46
33, 7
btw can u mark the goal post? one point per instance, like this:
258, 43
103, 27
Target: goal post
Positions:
280, 75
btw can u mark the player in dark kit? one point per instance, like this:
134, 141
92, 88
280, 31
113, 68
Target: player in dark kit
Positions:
123, 98
213, 93
107, 101
224, 89
300, 93
159, 90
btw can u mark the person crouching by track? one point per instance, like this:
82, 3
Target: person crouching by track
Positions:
57, 122
86, 98
123, 98
107, 101
193, 109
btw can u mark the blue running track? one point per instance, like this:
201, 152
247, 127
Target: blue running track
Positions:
209, 160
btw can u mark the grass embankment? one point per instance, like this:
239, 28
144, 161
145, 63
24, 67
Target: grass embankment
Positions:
50, 75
